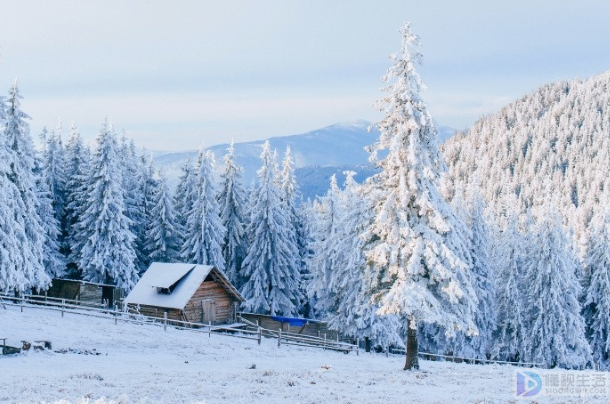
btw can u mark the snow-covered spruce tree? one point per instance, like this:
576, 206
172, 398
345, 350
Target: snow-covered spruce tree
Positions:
184, 198
104, 247
511, 340
163, 241
290, 196
596, 307
556, 329
307, 214
134, 194
232, 200
53, 166
270, 268
350, 311
204, 230
12, 236
416, 266
148, 188
324, 241
21, 161
53, 260
479, 346
77, 170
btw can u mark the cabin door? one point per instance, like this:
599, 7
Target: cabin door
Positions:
208, 307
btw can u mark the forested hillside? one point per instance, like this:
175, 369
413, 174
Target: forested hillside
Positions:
554, 142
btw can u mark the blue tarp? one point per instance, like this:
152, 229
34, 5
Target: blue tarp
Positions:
297, 322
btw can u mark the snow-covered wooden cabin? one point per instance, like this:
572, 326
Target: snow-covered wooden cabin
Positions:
186, 292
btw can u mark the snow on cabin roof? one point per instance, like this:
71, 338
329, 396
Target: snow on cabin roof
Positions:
166, 278
187, 278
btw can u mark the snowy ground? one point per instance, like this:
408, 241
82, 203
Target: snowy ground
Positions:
144, 364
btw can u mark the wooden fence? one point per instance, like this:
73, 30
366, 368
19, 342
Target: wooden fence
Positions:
246, 331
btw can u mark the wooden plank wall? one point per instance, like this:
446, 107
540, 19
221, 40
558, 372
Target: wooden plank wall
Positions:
311, 329
154, 311
64, 289
90, 293
210, 289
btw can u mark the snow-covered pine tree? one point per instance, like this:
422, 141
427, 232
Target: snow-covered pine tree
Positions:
12, 236
163, 241
290, 197
204, 230
416, 266
351, 312
104, 245
556, 329
133, 190
77, 170
53, 260
596, 307
511, 342
325, 217
271, 279
53, 165
232, 200
21, 160
148, 189
479, 345
184, 198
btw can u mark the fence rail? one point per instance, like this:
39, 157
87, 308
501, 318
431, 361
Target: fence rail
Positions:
247, 330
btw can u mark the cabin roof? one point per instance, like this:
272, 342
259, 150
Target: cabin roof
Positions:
182, 280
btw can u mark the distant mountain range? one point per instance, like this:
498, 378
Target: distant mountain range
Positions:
317, 155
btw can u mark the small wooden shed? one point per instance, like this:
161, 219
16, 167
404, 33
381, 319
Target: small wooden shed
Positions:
84, 292
186, 292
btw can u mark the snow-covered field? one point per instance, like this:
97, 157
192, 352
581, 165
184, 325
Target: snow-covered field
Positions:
131, 363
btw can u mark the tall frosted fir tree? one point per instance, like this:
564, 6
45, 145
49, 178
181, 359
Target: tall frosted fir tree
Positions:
480, 345
596, 308
272, 279
53, 259
12, 236
511, 341
163, 242
53, 166
232, 200
416, 264
556, 329
349, 311
77, 177
322, 262
134, 195
204, 230
104, 242
184, 198
21, 160
290, 195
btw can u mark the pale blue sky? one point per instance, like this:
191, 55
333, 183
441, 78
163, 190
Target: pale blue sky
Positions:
175, 73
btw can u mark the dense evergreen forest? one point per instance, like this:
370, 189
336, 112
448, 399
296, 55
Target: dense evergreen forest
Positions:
498, 247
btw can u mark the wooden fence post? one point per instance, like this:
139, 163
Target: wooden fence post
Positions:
260, 335
324, 348
116, 315
164, 321
63, 303
22, 304
357, 346
209, 329
279, 337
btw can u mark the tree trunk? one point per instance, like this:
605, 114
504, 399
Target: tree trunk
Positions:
411, 361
